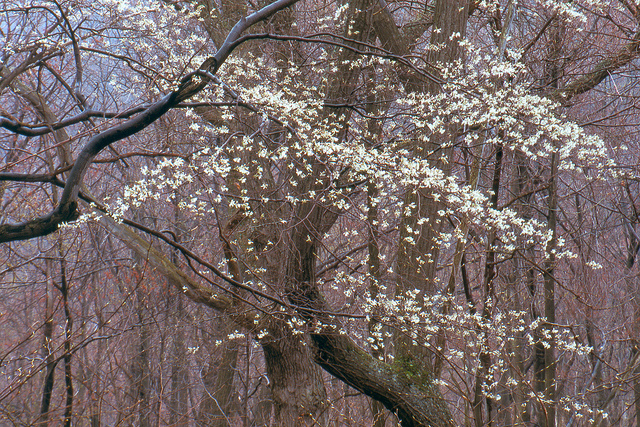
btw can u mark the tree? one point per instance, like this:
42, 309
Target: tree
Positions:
392, 193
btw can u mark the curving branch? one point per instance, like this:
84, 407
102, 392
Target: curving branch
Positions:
66, 210
600, 71
26, 129
347, 43
77, 85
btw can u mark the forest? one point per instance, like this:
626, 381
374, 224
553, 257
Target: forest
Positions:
296, 213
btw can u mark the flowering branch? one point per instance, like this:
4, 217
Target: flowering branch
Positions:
66, 210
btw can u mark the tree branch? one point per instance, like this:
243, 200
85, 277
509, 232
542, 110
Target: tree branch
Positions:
600, 71
66, 210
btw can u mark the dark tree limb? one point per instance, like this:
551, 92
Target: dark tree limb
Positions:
26, 129
415, 399
600, 71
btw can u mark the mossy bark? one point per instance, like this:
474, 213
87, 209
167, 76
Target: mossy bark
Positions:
405, 389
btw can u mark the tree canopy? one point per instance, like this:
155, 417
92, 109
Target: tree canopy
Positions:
333, 212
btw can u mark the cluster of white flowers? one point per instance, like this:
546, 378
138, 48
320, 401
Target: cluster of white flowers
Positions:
289, 148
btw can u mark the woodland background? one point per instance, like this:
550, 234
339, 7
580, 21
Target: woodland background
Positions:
319, 213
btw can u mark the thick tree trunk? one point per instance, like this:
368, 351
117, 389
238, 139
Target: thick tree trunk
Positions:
419, 248
140, 385
297, 387
404, 389
296, 383
420, 226
524, 274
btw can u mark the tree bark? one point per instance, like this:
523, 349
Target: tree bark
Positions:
218, 377
178, 400
140, 368
420, 226
68, 329
47, 354
406, 390
297, 387
633, 289
418, 245
549, 417
375, 328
